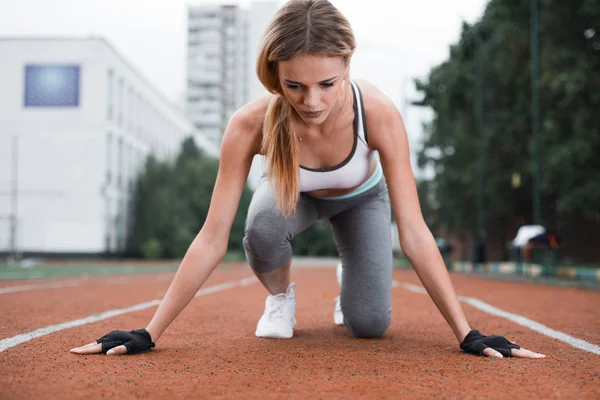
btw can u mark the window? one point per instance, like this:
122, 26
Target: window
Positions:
130, 108
109, 94
108, 158
51, 85
120, 102
120, 163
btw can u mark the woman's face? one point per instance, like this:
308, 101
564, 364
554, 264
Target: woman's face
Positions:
313, 85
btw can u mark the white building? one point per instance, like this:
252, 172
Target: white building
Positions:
216, 81
222, 46
82, 121
259, 16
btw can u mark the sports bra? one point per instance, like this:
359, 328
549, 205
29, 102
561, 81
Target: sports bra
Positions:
354, 169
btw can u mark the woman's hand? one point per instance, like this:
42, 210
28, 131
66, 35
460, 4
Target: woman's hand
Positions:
494, 346
119, 342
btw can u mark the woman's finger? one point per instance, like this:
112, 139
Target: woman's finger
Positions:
91, 348
117, 351
524, 353
492, 353
85, 346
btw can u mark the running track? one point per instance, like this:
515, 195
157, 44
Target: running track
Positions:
210, 351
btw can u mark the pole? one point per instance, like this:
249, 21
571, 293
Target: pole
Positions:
535, 112
479, 255
14, 215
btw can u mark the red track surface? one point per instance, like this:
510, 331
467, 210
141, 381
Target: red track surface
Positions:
211, 351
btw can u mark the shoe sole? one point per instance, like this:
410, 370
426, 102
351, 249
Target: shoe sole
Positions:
269, 332
273, 335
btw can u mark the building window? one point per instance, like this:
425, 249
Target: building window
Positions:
109, 94
120, 163
130, 109
130, 167
120, 102
108, 158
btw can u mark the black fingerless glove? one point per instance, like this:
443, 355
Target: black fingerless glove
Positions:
137, 341
475, 343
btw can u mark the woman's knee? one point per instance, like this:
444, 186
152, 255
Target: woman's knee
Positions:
265, 226
367, 324
266, 240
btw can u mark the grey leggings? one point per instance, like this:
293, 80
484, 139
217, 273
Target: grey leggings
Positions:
361, 228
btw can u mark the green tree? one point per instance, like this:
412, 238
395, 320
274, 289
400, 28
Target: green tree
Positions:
315, 241
570, 130
171, 202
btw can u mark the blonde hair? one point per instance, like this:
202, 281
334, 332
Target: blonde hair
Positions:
300, 27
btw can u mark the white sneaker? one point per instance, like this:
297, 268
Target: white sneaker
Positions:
338, 316
279, 318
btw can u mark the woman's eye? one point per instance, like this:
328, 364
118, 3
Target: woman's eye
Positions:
323, 85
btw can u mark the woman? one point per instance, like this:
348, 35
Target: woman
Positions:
332, 147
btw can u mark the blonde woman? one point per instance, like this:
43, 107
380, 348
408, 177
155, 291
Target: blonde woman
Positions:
333, 148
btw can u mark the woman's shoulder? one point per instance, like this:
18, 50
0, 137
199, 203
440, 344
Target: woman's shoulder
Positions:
380, 110
244, 129
375, 101
250, 117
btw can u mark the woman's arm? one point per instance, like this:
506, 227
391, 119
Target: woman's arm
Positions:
210, 245
388, 136
240, 143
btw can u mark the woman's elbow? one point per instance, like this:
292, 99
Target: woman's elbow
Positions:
212, 245
416, 240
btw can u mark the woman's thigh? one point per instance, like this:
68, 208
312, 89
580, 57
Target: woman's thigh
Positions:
268, 233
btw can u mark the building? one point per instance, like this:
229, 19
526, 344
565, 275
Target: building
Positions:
77, 121
259, 16
222, 46
216, 73
223, 43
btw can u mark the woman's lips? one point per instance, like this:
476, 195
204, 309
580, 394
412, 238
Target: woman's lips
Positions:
313, 114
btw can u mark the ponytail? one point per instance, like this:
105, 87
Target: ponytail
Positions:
280, 148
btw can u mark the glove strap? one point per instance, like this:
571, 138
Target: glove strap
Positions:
145, 334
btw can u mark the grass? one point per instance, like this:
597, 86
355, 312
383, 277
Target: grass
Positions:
117, 267
581, 266
400, 261
8, 272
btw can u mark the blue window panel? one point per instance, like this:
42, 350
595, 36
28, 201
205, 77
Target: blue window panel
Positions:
52, 85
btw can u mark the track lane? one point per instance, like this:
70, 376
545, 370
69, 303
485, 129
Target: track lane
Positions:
29, 310
210, 350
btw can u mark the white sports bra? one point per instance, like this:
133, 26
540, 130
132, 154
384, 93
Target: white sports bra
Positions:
354, 169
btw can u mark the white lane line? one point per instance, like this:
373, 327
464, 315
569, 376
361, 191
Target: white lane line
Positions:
533, 325
408, 286
113, 280
25, 337
36, 286
518, 319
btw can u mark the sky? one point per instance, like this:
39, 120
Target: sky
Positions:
397, 40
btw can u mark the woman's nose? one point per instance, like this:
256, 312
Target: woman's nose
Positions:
311, 99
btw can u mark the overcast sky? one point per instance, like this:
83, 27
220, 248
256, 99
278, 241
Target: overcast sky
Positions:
397, 39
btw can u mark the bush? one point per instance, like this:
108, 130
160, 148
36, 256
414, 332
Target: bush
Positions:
152, 249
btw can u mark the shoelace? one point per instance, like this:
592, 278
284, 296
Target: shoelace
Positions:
276, 305
338, 305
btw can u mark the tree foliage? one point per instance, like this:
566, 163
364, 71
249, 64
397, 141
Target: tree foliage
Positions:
569, 91
171, 202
